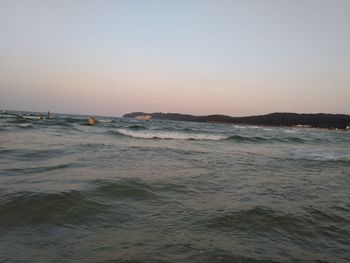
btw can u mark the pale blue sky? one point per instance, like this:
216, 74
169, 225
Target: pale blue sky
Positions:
200, 57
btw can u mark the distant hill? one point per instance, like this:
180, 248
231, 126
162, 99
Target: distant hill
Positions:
319, 120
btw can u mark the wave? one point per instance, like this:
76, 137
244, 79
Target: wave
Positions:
295, 140
290, 131
77, 207
28, 208
217, 254
68, 119
323, 156
126, 188
7, 115
256, 218
303, 224
142, 133
30, 154
105, 120
35, 121
30, 117
24, 125
170, 135
18, 119
257, 139
37, 170
238, 138
137, 127
237, 126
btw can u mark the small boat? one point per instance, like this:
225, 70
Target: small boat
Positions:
143, 117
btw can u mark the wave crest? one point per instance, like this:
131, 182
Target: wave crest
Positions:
143, 133
170, 135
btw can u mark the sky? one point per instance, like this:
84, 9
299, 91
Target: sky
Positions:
189, 56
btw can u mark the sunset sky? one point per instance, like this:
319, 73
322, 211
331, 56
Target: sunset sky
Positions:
199, 57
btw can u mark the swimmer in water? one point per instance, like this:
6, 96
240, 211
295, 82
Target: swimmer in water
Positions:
91, 121
49, 115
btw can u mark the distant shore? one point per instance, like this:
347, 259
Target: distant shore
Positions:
304, 120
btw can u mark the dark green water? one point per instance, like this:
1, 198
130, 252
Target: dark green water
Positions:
158, 191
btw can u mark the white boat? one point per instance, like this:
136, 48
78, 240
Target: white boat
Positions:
143, 117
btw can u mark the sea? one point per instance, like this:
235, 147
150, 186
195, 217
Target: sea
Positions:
165, 191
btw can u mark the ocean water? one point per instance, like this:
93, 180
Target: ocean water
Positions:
162, 191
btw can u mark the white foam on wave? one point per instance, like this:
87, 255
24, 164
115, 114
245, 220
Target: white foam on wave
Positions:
104, 120
7, 115
246, 126
31, 117
290, 131
323, 156
170, 135
24, 125
239, 126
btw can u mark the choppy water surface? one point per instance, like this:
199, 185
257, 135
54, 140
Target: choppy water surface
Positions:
161, 191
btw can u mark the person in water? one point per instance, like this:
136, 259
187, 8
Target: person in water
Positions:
91, 121
49, 115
